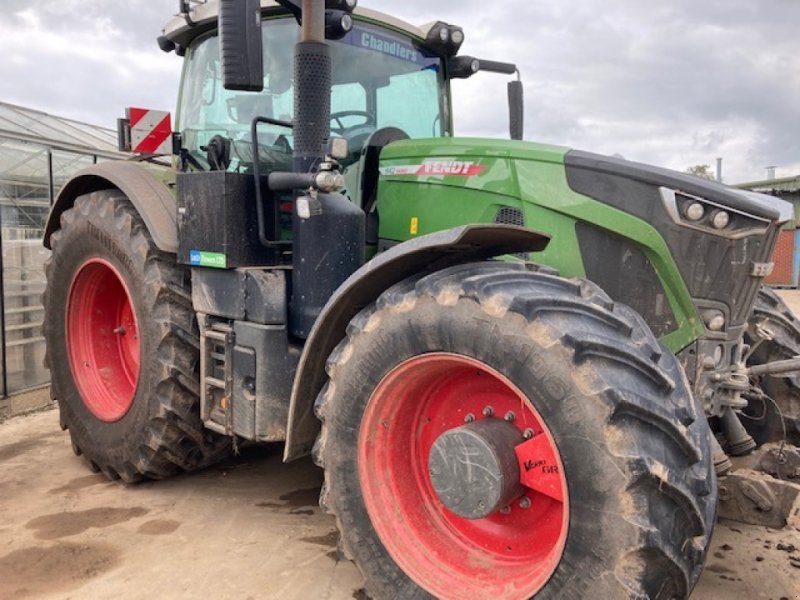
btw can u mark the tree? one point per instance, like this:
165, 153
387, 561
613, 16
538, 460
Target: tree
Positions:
703, 171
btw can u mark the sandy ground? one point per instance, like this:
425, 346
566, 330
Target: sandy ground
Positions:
247, 529
792, 299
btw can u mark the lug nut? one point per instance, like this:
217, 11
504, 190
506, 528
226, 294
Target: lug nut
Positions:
506, 510
528, 433
469, 418
524, 502
488, 411
510, 416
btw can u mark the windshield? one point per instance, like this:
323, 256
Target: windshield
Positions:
380, 79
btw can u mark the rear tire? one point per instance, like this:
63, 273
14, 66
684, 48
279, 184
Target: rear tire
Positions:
634, 449
764, 423
133, 412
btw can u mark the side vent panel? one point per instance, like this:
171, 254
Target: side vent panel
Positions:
507, 215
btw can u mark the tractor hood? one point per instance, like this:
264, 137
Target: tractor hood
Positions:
709, 244
758, 205
469, 162
721, 238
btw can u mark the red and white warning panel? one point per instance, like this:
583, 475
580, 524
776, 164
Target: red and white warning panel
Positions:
150, 131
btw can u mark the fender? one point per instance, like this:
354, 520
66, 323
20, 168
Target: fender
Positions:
425, 254
151, 198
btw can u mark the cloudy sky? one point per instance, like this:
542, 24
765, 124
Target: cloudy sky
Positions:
669, 82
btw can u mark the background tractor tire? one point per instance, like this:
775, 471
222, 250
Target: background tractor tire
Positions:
608, 405
122, 345
764, 422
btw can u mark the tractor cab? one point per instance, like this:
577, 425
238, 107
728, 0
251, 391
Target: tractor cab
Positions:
386, 85
390, 81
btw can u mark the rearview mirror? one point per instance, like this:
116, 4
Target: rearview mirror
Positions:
516, 110
240, 45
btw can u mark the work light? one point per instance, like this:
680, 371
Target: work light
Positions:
338, 23
445, 39
345, 5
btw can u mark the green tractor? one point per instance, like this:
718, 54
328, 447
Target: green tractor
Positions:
518, 365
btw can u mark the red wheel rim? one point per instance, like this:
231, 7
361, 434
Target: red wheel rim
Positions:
507, 554
103, 340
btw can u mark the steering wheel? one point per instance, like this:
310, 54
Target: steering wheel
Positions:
369, 120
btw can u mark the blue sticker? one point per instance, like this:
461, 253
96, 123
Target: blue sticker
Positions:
215, 260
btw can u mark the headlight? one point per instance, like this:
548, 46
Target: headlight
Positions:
711, 217
695, 211
721, 220
714, 320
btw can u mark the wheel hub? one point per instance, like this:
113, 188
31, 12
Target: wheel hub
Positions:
474, 469
446, 445
102, 336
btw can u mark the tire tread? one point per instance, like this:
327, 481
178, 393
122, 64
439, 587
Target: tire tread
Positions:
174, 439
598, 332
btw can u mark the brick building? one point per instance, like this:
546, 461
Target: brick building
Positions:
787, 252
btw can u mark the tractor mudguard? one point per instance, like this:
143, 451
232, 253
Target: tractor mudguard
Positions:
425, 254
151, 198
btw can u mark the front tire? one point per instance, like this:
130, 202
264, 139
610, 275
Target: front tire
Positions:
762, 419
122, 345
623, 499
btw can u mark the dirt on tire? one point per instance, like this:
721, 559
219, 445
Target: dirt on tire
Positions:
634, 444
161, 434
766, 421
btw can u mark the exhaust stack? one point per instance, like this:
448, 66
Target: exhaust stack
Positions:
329, 243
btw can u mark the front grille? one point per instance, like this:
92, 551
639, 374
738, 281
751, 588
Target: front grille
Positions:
716, 270
621, 268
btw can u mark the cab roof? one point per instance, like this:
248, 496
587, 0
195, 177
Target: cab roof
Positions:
182, 29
